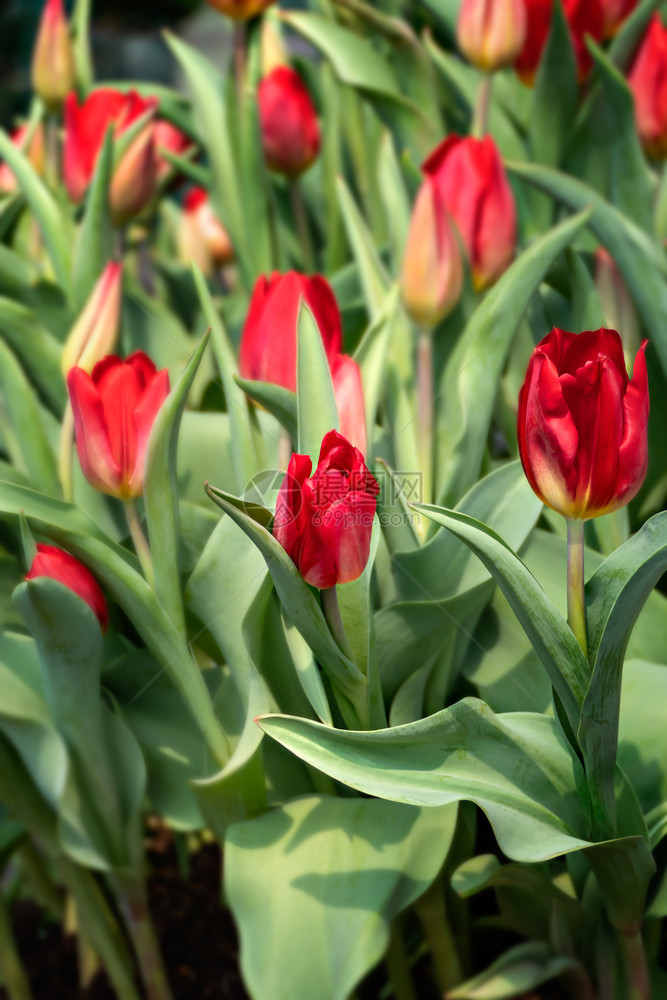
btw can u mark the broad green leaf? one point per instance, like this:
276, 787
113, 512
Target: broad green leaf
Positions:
161, 492
641, 263
556, 93
280, 402
28, 446
623, 869
624, 46
474, 874
53, 224
516, 767
549, 634
315, 885
81, 38
243, 449
372, 353
315, 400
374, 277
395, 197
642, 735
253, 173
468, 382
522, 968
38, 351
616, 595
94, 244
308, 673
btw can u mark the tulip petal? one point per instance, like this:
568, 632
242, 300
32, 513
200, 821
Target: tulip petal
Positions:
290, 504
345, 534
349, 393
589, 346
143, 418
92, 438
633, 453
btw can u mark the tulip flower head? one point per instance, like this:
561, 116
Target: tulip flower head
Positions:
203, 237
325, 521
34, 151
241, 10
53, 71
134, 179
61, 566
95, 332
491, 33
614, 13
114, 411
471, 183
584, 17
288, 121
648, 82
583, 423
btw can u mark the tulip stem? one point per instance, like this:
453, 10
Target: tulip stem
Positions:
633, 954
302, 228
480, 119
432, 913
140, 541
240, 47
576, 604
65, 453
334, 621
133, 900
52, 127
425, 411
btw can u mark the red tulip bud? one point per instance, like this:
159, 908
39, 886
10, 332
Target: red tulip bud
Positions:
53, 72
614, 13
59, 565
202, 237
584, 17
241, 10
114, 411
491, 33
34, 152
471, 183
583, 424
168, 137
648, 82
95, 332
432, 269
324, 521
290, 133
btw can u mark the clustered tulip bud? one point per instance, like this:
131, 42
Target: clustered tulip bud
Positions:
241, 10
491, 33
134, 179
269, 342
432, 269
325, 521
472, 185
583, 424
53, 71
202, 237
114, 411
34, 152
648, 82
61, 566
95, 332
288, 121
614, 13
584, 17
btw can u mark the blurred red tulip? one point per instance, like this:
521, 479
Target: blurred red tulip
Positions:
349, 393
59, 565
583, 424
34, 152
324, 521
648, 82
585, 17
491, 33
53, 71
168, 137
114, 411
241, 10
290, 132
203, 238
471, 182
614, 13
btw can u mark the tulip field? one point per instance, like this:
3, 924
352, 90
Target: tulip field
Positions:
333, 505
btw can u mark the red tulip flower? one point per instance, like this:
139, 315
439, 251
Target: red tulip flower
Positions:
491, 33
583, 423
472, 185
53, 70
349, 395
324, 521
134, 179
61, 566
614, 13
290, 133
168, 137
584, 17
114, 411
241, 10
648, 82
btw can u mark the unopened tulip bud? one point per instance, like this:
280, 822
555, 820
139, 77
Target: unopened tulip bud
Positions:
202, 237
134, 181
648, 83
241, 10
61, 566
491, 33
273, 52
53, 70
169, 139
432, 268
94, 334
290, 132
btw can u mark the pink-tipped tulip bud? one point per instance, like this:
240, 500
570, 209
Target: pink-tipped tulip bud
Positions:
241, 10
349, 395
53, 71
290, 132
202, 236
491, 33
432, 268
473, 187
584, 18
583, 424
648, 82
614, 13
325, 521
34, 151
61, 566
114, 411
95, 332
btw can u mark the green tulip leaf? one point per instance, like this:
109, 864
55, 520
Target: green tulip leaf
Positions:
280, 402
624, 46
474, 874
315, 885
315, 400
38, 351
374, 278
556, 93
25, 434
522, 968
94, 244
372, 354
517, 767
